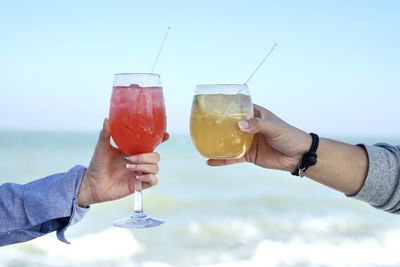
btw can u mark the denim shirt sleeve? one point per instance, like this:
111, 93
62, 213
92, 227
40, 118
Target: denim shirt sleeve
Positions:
381, 187
40, 207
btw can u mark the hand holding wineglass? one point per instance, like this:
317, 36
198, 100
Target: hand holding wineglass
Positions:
107, 177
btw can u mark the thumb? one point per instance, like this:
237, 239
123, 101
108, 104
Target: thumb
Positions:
105, 132
254, 125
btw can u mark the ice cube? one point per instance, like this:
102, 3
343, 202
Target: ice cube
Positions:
134, 86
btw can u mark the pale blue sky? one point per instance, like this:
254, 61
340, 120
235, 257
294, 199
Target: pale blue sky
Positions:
335, 70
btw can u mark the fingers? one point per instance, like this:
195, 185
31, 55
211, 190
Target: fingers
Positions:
261, 110
145, 168
254, 125
148, 180
223, 162
264, 121
146, 163
147, 158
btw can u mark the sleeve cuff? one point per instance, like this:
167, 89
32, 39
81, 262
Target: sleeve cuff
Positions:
53, 198
382, 176
77, 214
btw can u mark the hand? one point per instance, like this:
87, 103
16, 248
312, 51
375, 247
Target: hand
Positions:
111, 176
276, 145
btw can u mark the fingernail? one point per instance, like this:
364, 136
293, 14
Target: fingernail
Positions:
244, 125
140, 177
131, 166
131, 158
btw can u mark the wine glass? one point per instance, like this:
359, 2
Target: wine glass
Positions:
138, 125
216, 110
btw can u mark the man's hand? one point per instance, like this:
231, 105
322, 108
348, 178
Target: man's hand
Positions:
111, 175
276, 145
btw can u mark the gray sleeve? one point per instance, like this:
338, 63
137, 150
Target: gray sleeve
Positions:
381, 188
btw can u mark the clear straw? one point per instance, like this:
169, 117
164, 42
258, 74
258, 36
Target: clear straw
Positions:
227, 111
159, 51
262, 62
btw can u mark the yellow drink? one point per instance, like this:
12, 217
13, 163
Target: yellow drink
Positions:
213, 125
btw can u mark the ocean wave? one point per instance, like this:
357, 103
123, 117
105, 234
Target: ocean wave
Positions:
362, 253
367, 252
109, 246
242, 230
229, 242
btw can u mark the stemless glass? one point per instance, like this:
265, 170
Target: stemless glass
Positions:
138, 125
216, 110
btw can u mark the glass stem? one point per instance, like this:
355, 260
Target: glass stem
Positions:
138, 195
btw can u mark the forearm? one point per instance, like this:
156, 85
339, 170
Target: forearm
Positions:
340, 166
368, 173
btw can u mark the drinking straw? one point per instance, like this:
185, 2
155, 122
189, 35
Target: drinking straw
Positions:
159, 51
262, 62
227, 111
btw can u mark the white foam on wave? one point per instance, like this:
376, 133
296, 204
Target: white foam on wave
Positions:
329, 224
312, 242
367, 252
111, 245
326, 225
104, 245
241, 230
154, 264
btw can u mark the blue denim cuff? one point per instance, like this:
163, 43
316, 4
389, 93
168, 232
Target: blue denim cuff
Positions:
54, 198
77, 214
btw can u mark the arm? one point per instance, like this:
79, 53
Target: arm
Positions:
369, 173
340, 166
40, 207
51, 204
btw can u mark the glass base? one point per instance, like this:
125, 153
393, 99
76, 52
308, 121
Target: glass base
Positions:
138, 220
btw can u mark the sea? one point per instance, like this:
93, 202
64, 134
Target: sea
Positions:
232, 216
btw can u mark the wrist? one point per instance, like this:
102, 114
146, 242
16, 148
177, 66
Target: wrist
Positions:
85, 195
309, 158
301, 146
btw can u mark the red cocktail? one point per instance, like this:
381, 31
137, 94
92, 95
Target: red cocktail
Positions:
138, 125
137, 117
